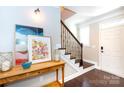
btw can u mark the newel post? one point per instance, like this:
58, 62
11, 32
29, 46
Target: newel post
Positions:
81, 63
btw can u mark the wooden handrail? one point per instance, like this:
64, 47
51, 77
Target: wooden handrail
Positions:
70, 33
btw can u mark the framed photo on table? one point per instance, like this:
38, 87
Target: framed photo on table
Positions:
39, 49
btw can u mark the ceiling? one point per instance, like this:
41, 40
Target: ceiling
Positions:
66, 13
84, 13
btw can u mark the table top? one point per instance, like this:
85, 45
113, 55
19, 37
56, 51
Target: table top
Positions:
17, 70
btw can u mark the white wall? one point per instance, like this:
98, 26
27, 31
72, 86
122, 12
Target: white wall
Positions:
91, 52
49, 21
9, 16
70, 23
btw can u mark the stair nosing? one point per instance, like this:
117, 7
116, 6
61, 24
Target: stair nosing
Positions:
61, 48
72, 57
67, 53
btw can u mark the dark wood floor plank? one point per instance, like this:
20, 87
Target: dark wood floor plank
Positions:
86, 64
96, 78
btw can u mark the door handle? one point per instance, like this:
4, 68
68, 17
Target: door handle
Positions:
102, 49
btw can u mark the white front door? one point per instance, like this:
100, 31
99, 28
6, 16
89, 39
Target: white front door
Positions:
112, 50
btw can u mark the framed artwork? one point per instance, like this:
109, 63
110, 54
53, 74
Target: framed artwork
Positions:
39, 49
21, 40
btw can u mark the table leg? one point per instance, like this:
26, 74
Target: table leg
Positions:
62, 76
57, 75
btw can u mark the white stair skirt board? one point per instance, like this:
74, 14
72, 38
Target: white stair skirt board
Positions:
83, 71
69, 62
79, 70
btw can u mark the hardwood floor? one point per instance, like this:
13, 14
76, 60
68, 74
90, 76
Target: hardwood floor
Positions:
86, 65
96, 78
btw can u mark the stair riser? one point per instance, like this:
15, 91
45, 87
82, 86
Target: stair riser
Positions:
77, 64
67, 56
72, 61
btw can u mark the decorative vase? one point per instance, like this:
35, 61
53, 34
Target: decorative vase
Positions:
6, 59
57, 56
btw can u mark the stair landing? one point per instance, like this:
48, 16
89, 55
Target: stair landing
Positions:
86, 65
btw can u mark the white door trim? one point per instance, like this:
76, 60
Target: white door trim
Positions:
100, 62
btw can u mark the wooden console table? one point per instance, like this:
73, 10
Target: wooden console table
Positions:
18, 73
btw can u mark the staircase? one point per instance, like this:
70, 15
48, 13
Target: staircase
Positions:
71, 52
71, 47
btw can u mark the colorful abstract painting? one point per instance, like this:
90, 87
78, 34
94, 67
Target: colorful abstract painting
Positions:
39, 49
21, 37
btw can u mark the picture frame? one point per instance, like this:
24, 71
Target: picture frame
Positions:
39, 49
21, 42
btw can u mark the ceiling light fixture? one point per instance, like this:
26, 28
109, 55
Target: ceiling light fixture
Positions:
37, 11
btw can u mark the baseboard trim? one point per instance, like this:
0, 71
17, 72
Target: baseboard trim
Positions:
90, 61
121, 76
98, 67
